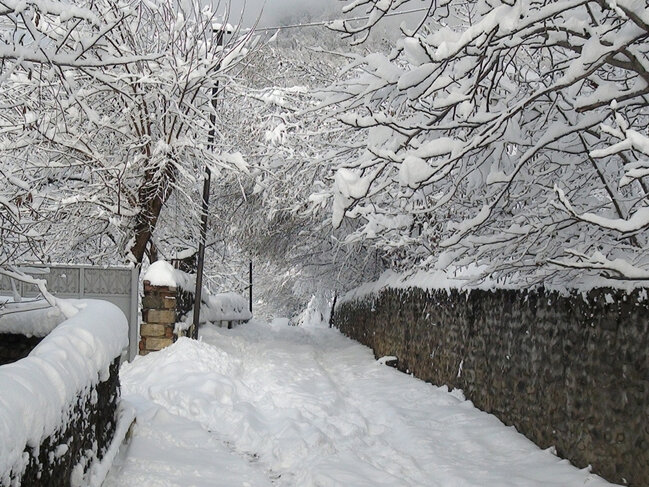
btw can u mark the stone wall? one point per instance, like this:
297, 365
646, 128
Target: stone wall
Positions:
158, 318
572, 372
87, 433
13, 347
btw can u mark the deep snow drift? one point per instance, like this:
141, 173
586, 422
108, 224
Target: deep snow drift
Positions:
277, 405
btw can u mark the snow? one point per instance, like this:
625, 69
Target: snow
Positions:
161, 273
348, 186
45, 385
471, 278
638, 221
225, 307
215, 307
277, 405
31, 319
97, 472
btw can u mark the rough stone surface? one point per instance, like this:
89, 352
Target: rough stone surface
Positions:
88, 432
13, 347
155, 344
152, 330
572, 372
159, 316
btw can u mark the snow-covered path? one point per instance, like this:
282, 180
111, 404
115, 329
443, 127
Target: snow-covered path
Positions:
276, 405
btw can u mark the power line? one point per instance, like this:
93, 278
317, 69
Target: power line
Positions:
325, 22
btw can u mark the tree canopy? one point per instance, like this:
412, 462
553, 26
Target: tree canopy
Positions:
510, 135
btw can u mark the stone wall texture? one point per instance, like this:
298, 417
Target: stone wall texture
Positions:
86, 435
569, 371
158, 318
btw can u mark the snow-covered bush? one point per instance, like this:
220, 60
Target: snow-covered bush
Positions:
316, 314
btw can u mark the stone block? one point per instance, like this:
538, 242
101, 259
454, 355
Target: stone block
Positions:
159, 316
154, 343
152, 330
152, 301
148, 288
168, 302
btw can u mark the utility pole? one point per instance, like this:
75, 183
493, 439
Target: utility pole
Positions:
220, 33
250, 287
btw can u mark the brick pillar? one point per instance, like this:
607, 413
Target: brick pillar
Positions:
158, 318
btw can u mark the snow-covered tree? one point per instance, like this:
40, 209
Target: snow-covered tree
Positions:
279, 215
97, 134
509, 134
41, 45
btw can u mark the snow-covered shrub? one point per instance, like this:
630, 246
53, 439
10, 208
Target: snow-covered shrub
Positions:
316, 314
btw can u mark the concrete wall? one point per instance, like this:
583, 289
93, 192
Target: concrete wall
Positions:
572, 372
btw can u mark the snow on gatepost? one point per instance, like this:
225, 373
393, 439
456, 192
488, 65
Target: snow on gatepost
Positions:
161, 273
45, 386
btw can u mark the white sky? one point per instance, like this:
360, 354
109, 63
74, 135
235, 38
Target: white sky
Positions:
278, 12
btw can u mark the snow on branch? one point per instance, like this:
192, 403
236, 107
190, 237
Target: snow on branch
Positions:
66, 308
637, 222
475, 115
614, 269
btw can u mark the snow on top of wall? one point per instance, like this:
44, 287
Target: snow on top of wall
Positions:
161, 273
216, 307
36, 318
225, 307
38, 392
469, 279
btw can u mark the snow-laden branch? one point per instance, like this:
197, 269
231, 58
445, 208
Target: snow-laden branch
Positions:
615, 269
66, 308
636, 223
473, 119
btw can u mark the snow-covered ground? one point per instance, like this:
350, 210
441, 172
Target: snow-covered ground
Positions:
269, 404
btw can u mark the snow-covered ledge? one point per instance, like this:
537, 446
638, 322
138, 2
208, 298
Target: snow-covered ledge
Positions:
58, 406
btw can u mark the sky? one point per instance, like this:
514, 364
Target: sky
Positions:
282, 12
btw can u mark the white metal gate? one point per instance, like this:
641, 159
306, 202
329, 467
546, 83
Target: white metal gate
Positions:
119, 285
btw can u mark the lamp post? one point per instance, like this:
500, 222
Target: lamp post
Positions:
220, 31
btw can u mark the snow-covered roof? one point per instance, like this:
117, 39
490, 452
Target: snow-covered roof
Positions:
34, 318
